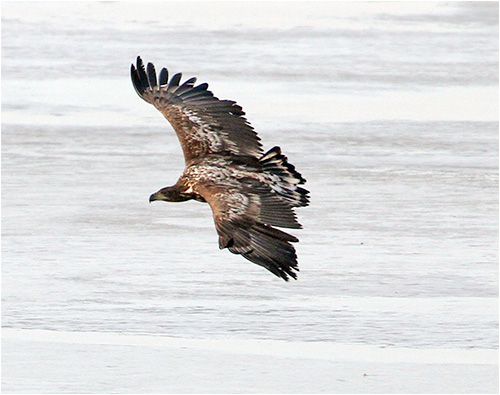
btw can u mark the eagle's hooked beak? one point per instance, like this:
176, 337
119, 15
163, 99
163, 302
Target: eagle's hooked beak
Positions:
152, 198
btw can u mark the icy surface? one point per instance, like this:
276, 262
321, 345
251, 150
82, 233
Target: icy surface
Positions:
179, 365
390, 111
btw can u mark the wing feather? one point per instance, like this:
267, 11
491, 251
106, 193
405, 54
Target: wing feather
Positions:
163, 79
277, 256
142, 74
174, 82
244, 218
152, 76
203, 123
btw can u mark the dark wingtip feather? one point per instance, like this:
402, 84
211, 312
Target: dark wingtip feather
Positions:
186, 86
190, 82
174, 82
271, 249
136, 81
292, 275
163, 77
141, 73
202, 87
153, 83
132, 71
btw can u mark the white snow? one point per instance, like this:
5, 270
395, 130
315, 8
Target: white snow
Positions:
118, 363
389, 110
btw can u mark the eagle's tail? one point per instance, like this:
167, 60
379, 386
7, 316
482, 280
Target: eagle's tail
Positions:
284, 179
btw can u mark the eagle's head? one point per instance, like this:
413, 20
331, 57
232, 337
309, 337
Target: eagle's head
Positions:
169, 194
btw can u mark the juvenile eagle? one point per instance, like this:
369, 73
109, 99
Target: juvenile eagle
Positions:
249, 191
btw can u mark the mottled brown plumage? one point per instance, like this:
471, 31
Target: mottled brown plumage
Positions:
249, 192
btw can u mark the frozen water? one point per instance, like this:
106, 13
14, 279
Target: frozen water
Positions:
389, 110
158, 364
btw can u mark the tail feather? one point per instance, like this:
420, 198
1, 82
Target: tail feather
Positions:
284, 178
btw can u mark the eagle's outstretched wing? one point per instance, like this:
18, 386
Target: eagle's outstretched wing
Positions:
244, 218
203, 123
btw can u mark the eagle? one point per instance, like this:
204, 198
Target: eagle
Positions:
250, 192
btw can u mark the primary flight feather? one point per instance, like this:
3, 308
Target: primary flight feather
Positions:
250, 192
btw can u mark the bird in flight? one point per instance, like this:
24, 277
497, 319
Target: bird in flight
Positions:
250, 192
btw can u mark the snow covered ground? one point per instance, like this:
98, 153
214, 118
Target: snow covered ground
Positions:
105, 362
389, 110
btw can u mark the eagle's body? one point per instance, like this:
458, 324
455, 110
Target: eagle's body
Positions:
249, 192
